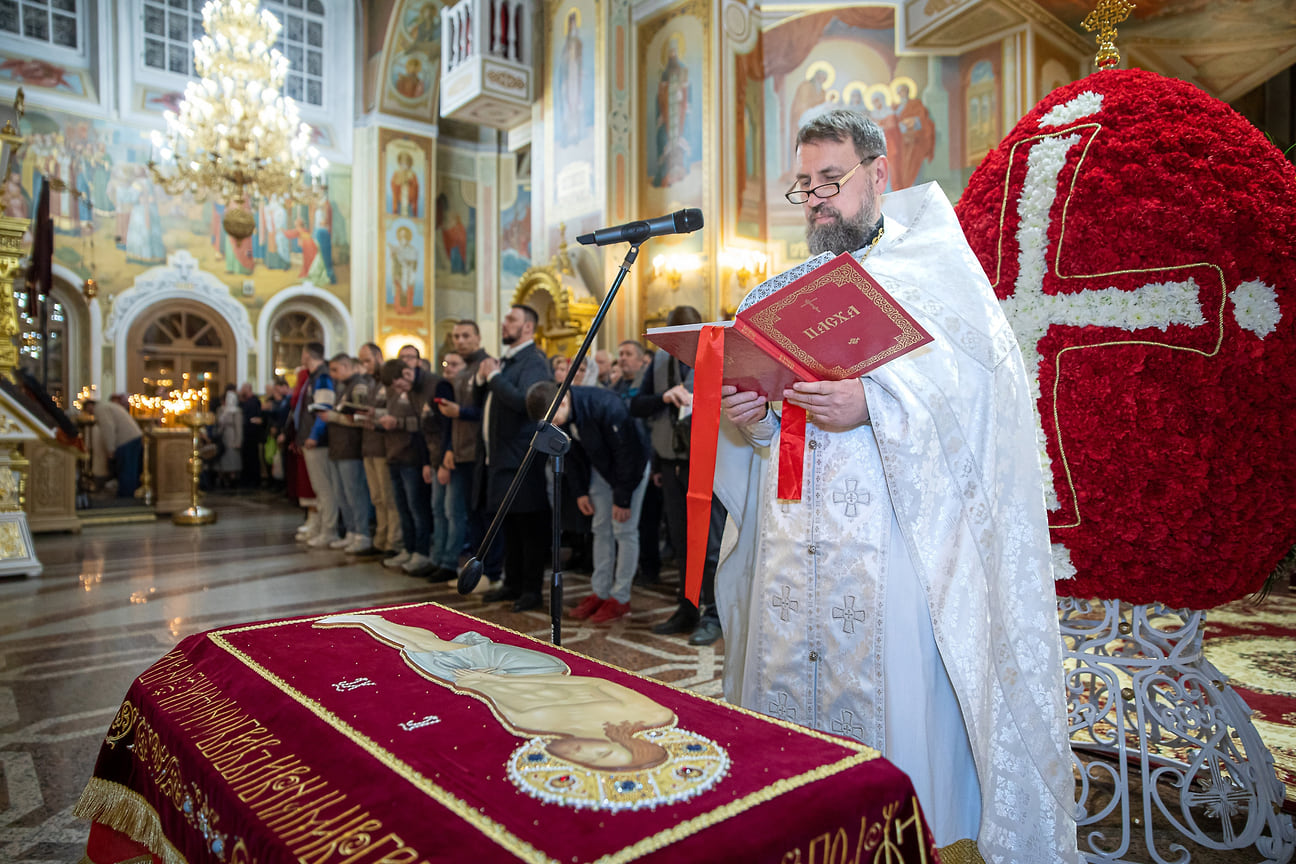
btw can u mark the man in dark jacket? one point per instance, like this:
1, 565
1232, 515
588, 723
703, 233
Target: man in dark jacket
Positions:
466, 454
609, 474
507, 432
666, 388
253, 436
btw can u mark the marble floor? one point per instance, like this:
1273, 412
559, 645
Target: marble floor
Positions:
114, 598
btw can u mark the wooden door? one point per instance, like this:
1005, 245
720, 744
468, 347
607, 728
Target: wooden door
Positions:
178, 338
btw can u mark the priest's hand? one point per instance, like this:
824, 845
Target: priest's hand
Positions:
742, 407
830, 404
584, 505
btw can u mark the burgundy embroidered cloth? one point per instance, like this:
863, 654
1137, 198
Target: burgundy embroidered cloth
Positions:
445, 738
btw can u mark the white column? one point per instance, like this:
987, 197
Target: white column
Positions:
366, 245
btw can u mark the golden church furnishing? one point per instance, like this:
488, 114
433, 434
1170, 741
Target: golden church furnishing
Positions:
236, 135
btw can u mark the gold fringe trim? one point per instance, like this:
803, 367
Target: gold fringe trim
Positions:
961, 852
125, 810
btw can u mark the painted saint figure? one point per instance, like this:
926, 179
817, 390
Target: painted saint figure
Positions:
884, 116
673, 91
405, 271
144, 231
404, 187
589, 721
917, 136
309, 250
322, 226
454, 235
810, 94
410, 83
278, 249
570, 67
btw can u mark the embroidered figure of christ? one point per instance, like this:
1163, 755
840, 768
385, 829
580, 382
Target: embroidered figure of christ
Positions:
592, 742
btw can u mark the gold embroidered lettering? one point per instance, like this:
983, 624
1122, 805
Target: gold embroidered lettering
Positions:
261, 773
359, 851
821, 839
269, 781
258, 736
226, 764
355, 835
867, 840
838, 851
401, 855
166, 670
305, 813
305, 824
290, 796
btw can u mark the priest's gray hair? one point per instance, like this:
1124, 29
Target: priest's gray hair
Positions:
841, 124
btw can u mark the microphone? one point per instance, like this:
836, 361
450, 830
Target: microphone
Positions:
679, 222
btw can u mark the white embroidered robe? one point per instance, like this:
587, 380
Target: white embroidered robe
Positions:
939, 500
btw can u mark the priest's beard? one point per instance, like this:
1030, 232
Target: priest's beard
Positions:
840, 235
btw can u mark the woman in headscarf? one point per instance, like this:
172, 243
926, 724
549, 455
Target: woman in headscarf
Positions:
229, 423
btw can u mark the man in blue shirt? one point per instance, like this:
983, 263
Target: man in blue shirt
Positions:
317, 398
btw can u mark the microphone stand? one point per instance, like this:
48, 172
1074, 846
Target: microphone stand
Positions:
553, 442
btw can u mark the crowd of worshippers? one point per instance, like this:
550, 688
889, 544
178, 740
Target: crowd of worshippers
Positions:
406, 462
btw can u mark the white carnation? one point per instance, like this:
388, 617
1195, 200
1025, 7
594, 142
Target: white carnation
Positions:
1079, 106
1255, 308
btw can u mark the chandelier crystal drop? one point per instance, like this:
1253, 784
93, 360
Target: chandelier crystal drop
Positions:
235, 135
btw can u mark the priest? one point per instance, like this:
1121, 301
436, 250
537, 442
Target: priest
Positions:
906, 599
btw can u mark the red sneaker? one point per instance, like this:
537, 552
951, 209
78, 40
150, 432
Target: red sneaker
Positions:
610, 611
587, 607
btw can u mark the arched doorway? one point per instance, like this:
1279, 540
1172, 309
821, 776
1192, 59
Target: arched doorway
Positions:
291, 332
177, 338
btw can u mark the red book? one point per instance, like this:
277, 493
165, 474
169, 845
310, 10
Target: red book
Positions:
832, 321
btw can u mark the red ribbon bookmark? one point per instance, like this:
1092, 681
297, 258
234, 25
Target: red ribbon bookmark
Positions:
708, 374
791, 464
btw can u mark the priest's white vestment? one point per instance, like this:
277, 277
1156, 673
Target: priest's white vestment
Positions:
907, 600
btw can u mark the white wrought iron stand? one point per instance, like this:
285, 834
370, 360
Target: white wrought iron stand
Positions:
1141, 697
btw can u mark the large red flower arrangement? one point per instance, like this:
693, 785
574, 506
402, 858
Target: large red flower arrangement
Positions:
1141, 236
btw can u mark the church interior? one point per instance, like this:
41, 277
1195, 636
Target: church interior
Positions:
459, 152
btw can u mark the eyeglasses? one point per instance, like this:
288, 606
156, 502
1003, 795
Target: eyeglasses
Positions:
826, 190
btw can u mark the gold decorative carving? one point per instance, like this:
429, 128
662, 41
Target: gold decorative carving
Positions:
1104, 19
11, 233
11, 541
9, 497
8, 425
505, 79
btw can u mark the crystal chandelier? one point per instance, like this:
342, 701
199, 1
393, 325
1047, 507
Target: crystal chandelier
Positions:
236, 136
